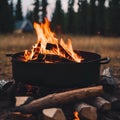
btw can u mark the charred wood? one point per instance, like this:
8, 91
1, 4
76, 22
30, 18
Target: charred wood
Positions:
52, 58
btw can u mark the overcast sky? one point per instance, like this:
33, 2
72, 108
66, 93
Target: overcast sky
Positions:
27, 4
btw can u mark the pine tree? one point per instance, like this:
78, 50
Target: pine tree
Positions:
82, 16
92, 17
114, 17
11, 16
29, 15
57, 22
18, 11
107, 21
71, 16
44, 9
100, 17
6, 17
36, 11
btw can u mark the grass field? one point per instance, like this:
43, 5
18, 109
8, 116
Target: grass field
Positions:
105, 46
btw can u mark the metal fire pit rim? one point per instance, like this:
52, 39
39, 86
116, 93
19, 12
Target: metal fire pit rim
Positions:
36, 62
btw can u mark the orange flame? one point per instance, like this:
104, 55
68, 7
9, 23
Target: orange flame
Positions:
46, 36
76, 116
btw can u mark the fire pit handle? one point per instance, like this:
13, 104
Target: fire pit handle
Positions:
105, 60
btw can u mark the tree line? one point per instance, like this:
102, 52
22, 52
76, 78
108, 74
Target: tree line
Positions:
91, 18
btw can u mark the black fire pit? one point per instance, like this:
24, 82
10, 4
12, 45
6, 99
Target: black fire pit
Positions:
59, 74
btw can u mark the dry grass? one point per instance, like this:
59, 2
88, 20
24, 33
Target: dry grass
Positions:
106, 47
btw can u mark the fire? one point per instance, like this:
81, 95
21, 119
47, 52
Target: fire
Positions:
46, 37
76, 116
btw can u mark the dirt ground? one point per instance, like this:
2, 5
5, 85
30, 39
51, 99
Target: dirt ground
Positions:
105, 46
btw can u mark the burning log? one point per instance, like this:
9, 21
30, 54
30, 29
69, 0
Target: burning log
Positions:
55, 57
51, 58
53, 114
86, 111
66, 52
55, 99
47, 43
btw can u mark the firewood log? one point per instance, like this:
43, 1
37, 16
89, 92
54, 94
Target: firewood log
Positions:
101, 104
20, 100
86, 111
115, 102
55, 99
53, 114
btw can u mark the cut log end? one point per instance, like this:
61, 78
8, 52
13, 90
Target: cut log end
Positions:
53, 114
102, 104
86, 111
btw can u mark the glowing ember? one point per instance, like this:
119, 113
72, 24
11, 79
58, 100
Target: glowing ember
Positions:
47, 37
76, 116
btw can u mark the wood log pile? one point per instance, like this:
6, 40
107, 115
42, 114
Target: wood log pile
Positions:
100, 102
